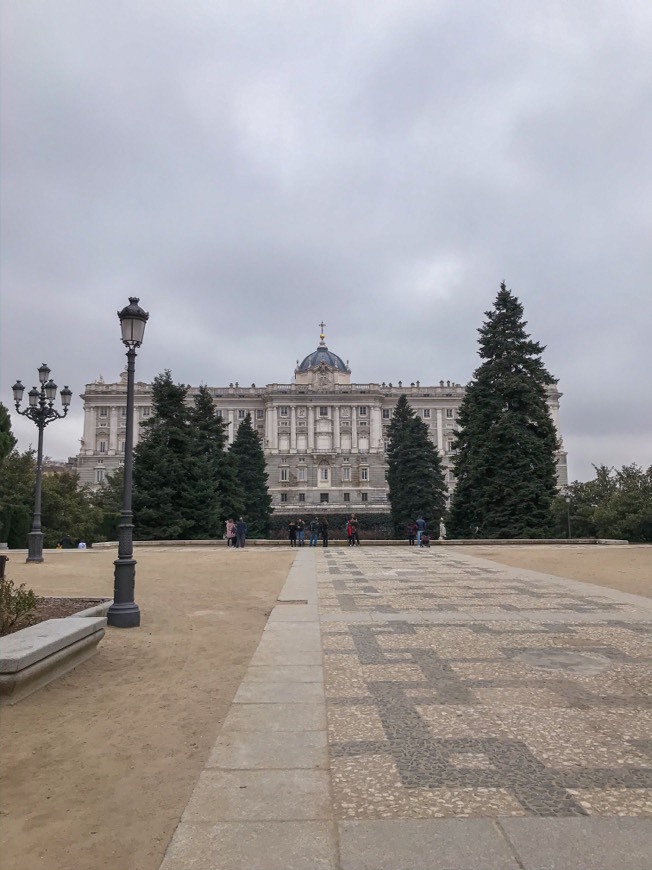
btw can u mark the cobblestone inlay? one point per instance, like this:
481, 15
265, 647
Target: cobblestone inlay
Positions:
505, 716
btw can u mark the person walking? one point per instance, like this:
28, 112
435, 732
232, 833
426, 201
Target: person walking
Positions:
349, 533
314, 532
301, 532
230, 533
240, 533
323, 528
421, 527
292, 530
411, 532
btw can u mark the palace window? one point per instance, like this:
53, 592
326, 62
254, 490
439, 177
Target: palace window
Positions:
386, 413
426, 412
301, 472
123, 411
346, 472
146, 412
283, 474
102, 447
346, 496
104, 412
450, 412
99, 475
260, 414
323, 411
323, 472
241, 414
284, 496
323, 497
121, 446
218, 413
302, 496
284, 411
364, 496
364, 473
362, 411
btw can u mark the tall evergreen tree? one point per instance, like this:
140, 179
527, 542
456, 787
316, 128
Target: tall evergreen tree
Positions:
162, 491
7, 440
505, 461
212, 483
414, 475
250, 471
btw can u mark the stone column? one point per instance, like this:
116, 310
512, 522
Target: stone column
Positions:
268, 426
336, 427
90, 424
311, 427
113, 430
354, 427
231, 426
376, 436
440, 430
293, 427
274, 427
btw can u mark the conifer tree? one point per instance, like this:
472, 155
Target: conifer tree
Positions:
414, 475
7, 440
161, 495
212, 485
249, 460
505, 461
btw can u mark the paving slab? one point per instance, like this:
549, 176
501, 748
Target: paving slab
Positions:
284, 673
609, 843
407, 844
276, 717
279, 692
253, 846
259, 795
261, 750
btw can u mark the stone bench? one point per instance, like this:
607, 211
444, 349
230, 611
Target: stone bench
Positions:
34, 656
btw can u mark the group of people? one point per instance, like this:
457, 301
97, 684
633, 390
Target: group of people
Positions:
236, 533
316, 528
319, 528
417, 532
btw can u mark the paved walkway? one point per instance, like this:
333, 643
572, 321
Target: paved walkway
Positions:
410, 709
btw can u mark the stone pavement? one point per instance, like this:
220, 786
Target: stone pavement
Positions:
410, 709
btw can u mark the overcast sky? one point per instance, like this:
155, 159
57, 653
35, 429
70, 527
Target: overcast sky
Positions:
249, 168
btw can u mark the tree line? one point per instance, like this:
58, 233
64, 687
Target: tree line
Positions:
187, 482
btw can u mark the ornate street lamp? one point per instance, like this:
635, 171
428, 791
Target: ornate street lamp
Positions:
41, 411
124, 612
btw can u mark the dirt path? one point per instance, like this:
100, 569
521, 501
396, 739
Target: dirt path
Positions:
626, 568
98, 766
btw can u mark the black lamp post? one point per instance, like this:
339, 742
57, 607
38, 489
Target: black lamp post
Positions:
567, 499
41, 411
124, 612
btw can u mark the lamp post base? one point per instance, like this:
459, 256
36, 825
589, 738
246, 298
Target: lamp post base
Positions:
125, 615
34, 547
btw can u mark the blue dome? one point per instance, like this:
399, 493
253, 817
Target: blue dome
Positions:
322, 356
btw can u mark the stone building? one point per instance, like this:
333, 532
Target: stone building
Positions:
324, 437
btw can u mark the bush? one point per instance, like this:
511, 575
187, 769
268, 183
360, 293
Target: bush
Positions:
16, 606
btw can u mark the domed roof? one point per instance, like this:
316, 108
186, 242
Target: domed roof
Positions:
322, 356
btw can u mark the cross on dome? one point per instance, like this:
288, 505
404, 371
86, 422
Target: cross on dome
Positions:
322, 334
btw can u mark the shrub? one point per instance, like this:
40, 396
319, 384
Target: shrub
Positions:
16, 606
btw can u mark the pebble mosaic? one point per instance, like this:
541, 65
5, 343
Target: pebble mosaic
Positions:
535, 701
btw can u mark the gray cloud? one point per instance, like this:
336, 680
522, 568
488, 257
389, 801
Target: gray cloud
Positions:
247, 170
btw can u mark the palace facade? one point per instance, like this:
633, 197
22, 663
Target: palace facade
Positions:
324, 437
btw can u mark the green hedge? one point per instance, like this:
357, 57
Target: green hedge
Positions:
15, 524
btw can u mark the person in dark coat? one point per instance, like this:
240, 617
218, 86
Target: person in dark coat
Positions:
323, 528
240, 533
292, 533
